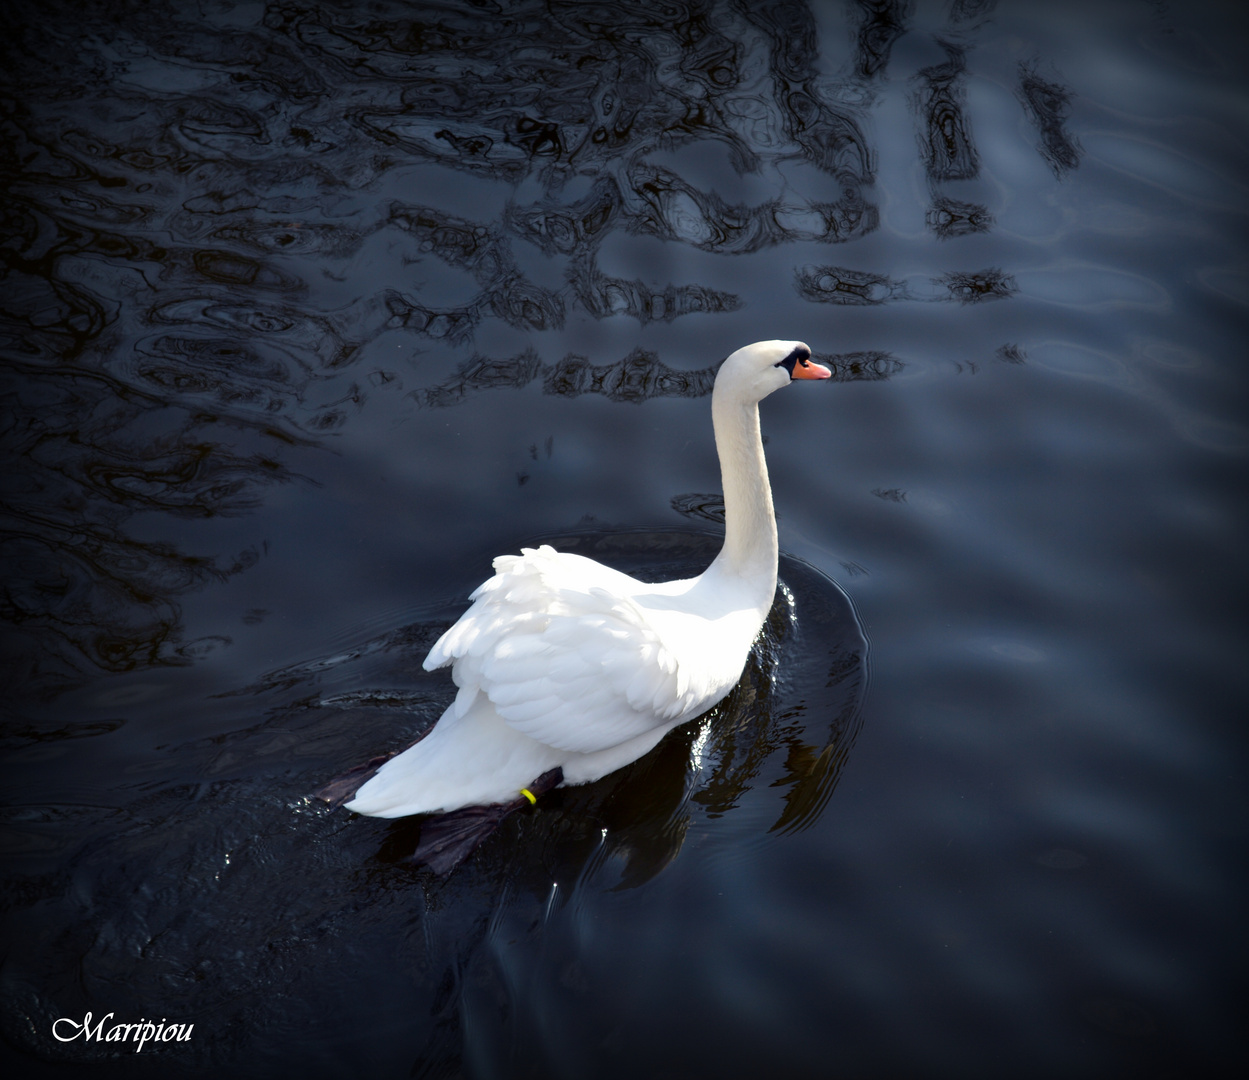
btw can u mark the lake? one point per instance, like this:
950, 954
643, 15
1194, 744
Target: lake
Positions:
311, 310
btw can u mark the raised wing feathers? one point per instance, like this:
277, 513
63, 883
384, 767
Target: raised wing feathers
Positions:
563, 659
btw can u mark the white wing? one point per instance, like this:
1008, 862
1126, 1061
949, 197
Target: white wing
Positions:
566, 657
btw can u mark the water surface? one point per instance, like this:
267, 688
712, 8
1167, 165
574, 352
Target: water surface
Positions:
311, 310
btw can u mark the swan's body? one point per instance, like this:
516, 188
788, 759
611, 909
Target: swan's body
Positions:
564, 663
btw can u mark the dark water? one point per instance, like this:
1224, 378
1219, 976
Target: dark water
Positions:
311, 310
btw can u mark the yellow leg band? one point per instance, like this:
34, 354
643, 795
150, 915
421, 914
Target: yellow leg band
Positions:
529, 795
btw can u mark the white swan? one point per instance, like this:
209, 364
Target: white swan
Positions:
563, 663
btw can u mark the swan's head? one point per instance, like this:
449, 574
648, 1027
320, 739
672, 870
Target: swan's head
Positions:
757, 370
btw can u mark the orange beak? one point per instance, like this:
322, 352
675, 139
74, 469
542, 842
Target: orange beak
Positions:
809, 369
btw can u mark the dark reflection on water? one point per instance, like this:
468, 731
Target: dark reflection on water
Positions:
841, 285
1048, 105
881, 23
948, 217
946, 145
308, 310
78, 588
639, 377
173, 190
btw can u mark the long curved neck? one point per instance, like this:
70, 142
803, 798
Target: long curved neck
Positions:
750, 547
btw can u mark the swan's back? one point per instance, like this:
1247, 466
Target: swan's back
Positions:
574, 654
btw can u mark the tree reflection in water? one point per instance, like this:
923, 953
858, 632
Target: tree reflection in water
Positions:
178, 181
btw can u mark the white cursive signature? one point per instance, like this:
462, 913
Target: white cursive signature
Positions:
143, 1031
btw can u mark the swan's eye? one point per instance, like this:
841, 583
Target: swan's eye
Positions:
797, 358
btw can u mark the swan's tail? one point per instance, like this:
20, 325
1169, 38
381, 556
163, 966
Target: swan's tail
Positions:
344, 786
446, 839
470, 760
